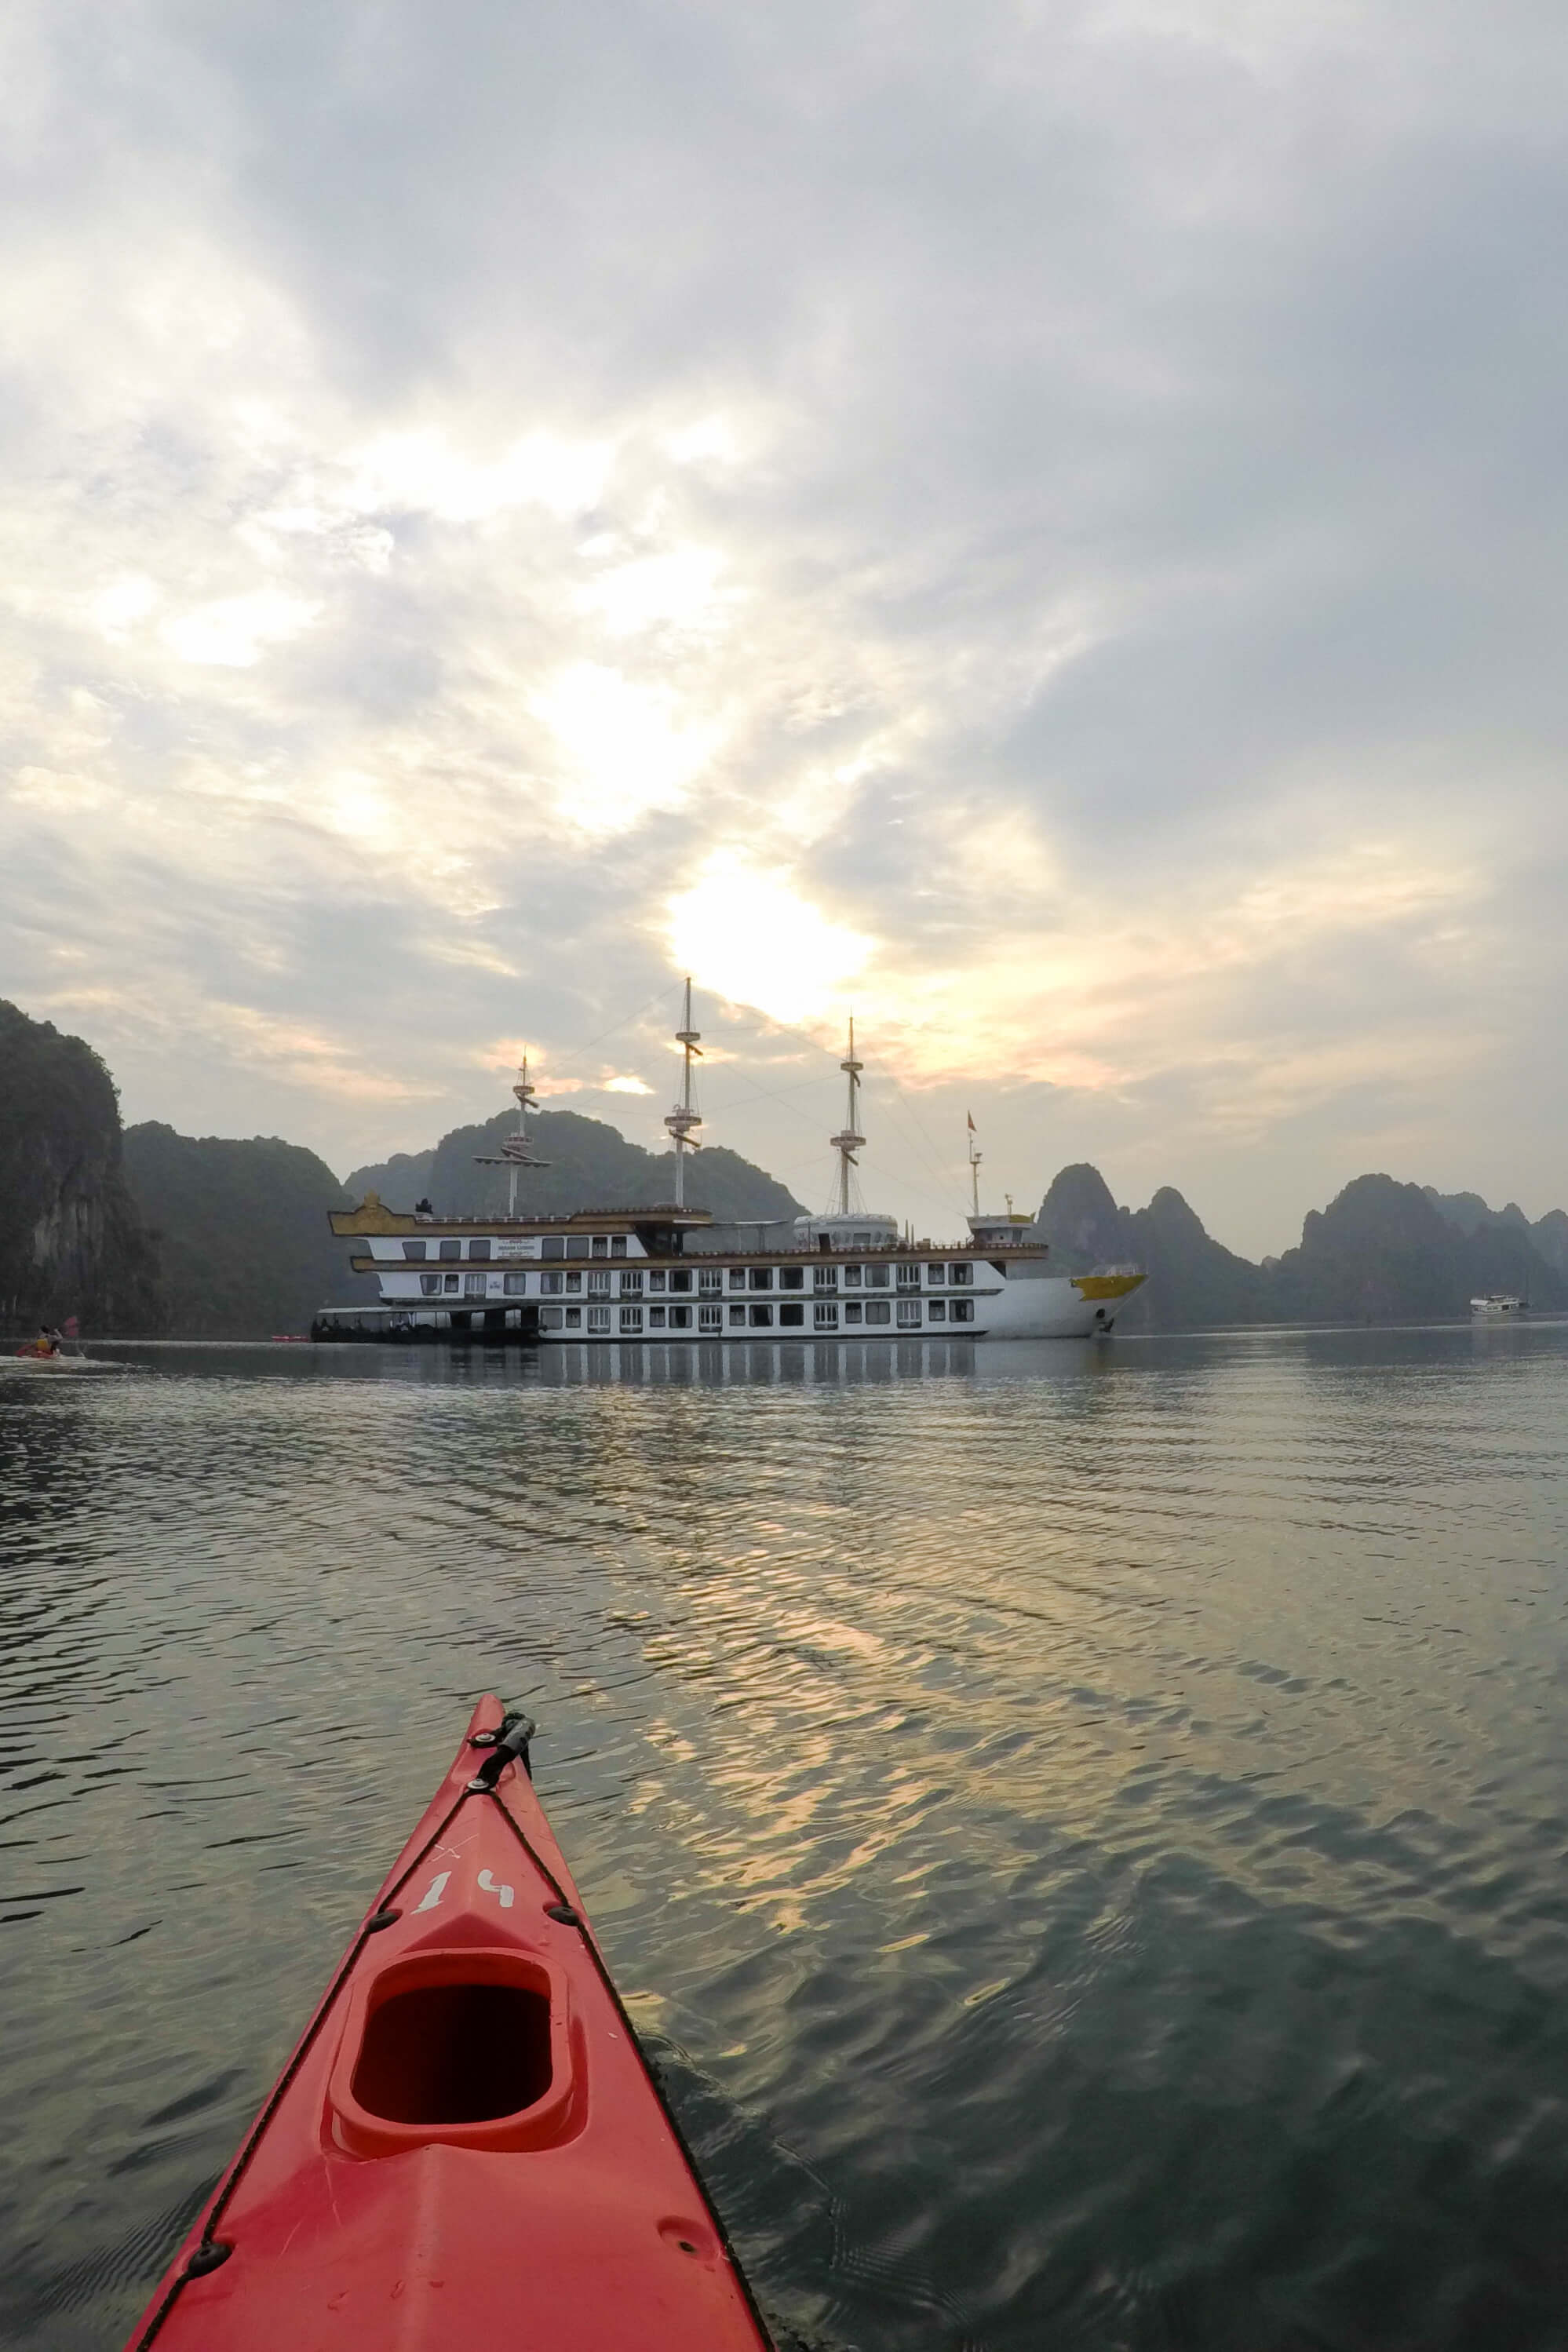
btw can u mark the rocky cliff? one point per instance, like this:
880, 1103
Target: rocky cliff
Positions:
1192, 1279
71, 1242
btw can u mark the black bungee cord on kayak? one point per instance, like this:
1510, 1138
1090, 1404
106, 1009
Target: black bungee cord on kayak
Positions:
507, 1744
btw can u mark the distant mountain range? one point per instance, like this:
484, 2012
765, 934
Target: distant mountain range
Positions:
590, 1166
147, 1231
1381, 1251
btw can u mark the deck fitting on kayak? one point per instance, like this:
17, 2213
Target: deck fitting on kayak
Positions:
379, 1919
511, 1746
210, 2257
564, 1913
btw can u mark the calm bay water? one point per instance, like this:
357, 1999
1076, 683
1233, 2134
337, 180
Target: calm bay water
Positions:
1082, 1829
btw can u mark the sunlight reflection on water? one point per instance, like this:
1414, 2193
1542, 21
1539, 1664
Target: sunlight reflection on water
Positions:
1082, 1826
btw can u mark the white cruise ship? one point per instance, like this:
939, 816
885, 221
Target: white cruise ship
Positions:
674, 1274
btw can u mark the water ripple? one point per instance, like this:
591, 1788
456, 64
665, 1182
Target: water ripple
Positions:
1082, 1830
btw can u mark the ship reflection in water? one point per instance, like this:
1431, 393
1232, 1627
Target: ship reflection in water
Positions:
1080, 1825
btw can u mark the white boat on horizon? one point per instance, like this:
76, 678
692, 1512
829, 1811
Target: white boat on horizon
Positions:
1499, 1302
673, 1273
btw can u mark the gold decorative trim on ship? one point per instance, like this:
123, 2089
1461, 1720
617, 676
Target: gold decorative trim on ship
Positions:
1106, 1286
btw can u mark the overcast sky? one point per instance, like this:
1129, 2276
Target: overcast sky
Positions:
1042, 524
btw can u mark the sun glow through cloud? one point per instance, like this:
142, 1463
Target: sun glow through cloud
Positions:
480, 541
753, 938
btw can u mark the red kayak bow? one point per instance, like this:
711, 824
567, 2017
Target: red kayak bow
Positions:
467, 2146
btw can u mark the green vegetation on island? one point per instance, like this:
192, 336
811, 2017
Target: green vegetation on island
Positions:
242, 1232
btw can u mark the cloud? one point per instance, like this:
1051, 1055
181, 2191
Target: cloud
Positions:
1051, 527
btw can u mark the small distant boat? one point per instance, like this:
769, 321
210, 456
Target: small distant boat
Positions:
1499, 1302
468, 2148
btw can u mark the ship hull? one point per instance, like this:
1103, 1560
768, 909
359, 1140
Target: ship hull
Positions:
1052, 1308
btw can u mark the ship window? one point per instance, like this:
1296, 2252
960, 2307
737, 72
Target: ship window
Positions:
479, 1249
631, 1284
909, 1311
598, 1319
792, 1314
474, 1285
852, 1277
552, 1246
762, 1318
936, 1276
937, 1309
451, 1249
599, 1286
878, 1277
792, 1277
574, 1317
631, 1319
962, 1310
516, 1285
762, 1277
600, 1246
655, 1316
430, 1284
962, 1272
680, 1318
679, 1281
654, 1282
574, 1282
853, 1311
878, 1310
824, 1315
865, 1241
737, 1277
549, 1319
737, 1314
617, 1244
550, 1283
909, 1274
449, 1282
414, 1252
825, 1277
710, 1318
710, 1278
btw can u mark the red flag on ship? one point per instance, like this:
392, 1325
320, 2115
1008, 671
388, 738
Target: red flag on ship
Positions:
71, 1327
970, 1117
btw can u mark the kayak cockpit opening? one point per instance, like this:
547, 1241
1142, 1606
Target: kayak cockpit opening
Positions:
466, 2044
455, 2054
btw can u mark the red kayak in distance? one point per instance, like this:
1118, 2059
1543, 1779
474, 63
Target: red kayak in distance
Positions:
467, 2146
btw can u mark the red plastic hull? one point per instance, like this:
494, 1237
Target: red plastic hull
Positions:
466, 2146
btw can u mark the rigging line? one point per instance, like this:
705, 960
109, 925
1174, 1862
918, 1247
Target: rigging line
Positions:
892, 1100
778, 1095
659, 997
908, 1101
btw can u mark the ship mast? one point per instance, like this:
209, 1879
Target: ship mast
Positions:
848, 1142
974, 1160
516, 1150
684, 1117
